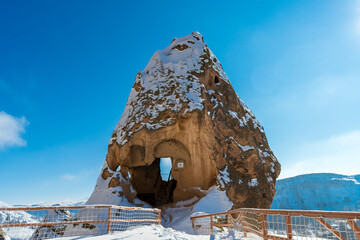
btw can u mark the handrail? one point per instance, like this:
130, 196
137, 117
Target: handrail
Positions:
108, 218
266, 224
307, 213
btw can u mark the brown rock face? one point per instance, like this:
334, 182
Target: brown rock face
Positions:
183, 106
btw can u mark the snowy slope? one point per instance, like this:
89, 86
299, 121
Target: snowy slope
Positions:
59, 203
319, 191
16, 217
24, 217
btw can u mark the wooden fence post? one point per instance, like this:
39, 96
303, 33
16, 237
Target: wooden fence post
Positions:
245, 232
288, 227
354, 227
228, 222
264, 226
330, 228
242, 220
211, 225
159, 217
109, 220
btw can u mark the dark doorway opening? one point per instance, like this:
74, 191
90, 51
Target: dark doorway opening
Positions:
152, 185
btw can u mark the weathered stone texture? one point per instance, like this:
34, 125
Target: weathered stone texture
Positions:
183, 106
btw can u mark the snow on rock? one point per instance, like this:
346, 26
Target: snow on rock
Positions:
105, 193
253, 183
236, 115
52, 231
244, 148
223, 177
250, 116
318, 191
168, 82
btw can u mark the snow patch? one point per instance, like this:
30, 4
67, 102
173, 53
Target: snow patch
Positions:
244, 148
349, 178
223, 177
236, 116
253, 182
250, 116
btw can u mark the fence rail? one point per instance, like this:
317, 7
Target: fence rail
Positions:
282, 224
37, 223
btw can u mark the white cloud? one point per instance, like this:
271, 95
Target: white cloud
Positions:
76, 177
337, 154
11, 129
68, 177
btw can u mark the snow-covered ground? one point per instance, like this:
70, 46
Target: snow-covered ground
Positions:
215, 201
176, 220
161, 233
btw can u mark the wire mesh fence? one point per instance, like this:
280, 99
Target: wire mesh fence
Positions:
37, 223
282, 224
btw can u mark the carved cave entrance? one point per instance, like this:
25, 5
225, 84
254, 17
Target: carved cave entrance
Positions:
154, 183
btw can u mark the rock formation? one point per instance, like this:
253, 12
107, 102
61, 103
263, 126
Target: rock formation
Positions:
183, 106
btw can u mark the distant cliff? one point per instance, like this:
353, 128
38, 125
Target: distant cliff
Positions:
319, 191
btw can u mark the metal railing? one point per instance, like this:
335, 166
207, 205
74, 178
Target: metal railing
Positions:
64, 221
282, 224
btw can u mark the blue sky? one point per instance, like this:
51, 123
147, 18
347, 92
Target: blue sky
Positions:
67, 67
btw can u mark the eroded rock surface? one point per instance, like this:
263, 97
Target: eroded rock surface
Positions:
183, 106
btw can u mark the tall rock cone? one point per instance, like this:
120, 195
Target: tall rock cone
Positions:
183, 107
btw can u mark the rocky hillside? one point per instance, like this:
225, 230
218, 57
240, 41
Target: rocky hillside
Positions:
318, 191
